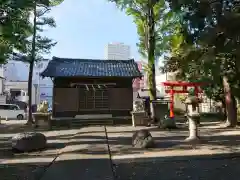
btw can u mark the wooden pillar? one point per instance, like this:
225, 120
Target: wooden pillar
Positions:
171, 102
196, 91
185, 88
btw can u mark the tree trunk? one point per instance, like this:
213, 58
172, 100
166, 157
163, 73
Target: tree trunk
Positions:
151, 58
31, 64
30, 75
152, 91
224, 112
231, 105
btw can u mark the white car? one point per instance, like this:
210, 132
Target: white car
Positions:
11, 111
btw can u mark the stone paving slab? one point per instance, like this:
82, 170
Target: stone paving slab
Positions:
70, 144
171, 143
77, 167
218, 157
202, 169
22, 171
85, 156
86, 159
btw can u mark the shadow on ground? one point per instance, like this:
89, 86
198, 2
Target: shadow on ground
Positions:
91, 143
203, 167
81, 143
51, 149
121, 145
22, 171
18, 128
85, 169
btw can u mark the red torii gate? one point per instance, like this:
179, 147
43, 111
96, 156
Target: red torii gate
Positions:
184, 86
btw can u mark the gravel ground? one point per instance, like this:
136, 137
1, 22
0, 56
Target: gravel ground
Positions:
212, 169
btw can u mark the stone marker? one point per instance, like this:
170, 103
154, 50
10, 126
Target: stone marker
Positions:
142, 139
28, 141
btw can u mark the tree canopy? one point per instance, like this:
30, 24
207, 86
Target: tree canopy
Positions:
210, 47
21, 39
15, 27
209, 50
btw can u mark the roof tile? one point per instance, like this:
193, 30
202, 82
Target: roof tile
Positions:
64, 67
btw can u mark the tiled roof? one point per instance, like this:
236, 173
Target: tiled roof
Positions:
64, 67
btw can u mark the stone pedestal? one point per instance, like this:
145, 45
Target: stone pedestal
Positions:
139, 118
193, 117
42, 120
193, 129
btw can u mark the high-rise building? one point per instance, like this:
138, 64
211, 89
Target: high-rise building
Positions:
117, 51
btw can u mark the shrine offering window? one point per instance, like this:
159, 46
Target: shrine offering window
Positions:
93, 98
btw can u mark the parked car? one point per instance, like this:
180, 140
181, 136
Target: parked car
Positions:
11, 111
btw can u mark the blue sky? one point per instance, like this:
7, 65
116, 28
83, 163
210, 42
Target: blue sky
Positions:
84, 27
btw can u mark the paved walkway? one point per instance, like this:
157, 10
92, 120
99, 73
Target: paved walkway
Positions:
82, 154
85, 157
72, 154
217, 157
170, 160
155, 169
170, 144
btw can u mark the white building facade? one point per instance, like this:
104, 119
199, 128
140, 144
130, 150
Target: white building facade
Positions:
19, 91
117, 51
14, 81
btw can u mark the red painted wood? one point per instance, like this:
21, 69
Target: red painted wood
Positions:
181, 83
184, 86
172, 103
181, 91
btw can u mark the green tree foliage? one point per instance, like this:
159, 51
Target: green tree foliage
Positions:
210, 47
15, 27
140, 18
155, 25
38, 45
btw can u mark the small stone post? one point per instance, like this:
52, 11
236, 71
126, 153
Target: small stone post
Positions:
193, 118
42, 117
138, 114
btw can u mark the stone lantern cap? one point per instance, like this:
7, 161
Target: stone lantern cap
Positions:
192, 100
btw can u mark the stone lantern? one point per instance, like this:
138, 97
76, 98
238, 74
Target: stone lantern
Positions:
193, 116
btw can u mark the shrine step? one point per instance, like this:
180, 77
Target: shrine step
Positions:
80, 122
92, 122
